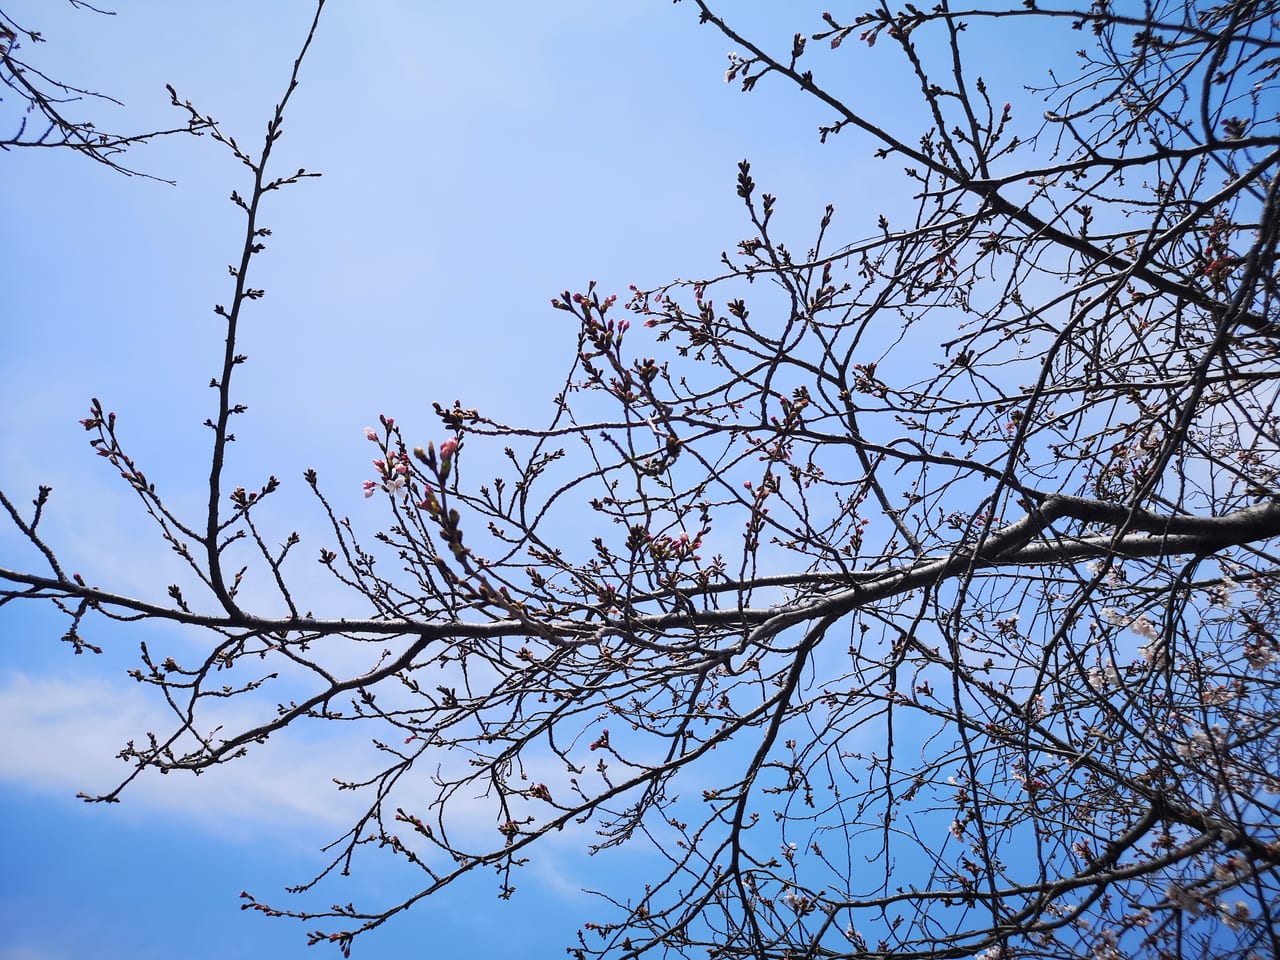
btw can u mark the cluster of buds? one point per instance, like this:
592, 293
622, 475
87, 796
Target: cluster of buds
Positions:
1219, 261
663, 548
393, 471
759, 512
244, 499
448, 519
865, 380
800, 903
511, 828
600, 349
392, 466
413, 820
395, 476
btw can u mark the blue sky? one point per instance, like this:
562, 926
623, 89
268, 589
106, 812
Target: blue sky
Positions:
477, 160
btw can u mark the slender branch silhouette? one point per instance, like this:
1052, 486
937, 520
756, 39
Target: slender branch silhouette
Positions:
916, 597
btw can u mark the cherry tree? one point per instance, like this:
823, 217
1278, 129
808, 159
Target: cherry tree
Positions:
905, 596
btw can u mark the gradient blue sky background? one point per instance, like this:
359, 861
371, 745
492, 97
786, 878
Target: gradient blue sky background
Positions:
477, 160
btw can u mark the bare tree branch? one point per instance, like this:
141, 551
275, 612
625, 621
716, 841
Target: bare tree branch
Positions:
928, 588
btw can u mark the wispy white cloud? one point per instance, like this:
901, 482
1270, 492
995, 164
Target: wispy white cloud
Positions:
64, 736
